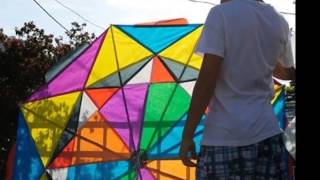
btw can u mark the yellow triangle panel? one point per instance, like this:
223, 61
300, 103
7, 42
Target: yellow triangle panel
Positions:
117, 46
182, 49
277, 91
128, 50
47, 119
105, 63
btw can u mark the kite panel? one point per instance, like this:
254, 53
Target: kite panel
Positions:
73, 77
188, 86
279, 107
96, 141
86, 110
183, 49
70, 130
169, 146
99, 171
28, 164
157, 38
160, 73
126, 74
124, 44
171, 169
145, 174
105, 63
177, 69
101, 96
115, 112
143, 76
47, 119
64, 62
166, 104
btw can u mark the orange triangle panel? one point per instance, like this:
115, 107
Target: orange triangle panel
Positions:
64, 159
95, 142
100, 96
159, 72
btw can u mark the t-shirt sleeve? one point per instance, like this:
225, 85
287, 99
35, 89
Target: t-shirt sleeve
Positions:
212, 38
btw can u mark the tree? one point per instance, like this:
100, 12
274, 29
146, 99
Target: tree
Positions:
24, 61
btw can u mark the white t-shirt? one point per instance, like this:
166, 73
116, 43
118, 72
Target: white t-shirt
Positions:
251, 37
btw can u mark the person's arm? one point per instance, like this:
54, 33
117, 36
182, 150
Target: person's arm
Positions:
201, 96
284, 73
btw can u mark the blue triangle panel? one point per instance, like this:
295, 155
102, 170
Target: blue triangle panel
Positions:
157, 38
169, 146
28, 164
97, 171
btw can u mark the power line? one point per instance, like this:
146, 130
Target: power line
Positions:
207, 2
55, 20
76, 13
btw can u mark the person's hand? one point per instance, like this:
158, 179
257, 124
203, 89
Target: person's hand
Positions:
187, 145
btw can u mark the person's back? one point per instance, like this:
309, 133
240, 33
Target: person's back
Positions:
240, 112
244, 43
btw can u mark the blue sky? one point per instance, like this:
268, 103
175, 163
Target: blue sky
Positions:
105, 12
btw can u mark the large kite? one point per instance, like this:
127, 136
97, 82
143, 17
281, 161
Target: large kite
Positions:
116, 108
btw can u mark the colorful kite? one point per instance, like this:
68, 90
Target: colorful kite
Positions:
115, 109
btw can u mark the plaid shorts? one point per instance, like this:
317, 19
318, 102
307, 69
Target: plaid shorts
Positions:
265, 160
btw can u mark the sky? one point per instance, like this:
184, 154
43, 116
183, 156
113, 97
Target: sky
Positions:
13, 13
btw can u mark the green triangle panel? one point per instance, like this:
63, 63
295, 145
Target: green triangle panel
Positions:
166, 104
131, 175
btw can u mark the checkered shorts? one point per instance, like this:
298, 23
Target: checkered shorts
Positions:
265, 160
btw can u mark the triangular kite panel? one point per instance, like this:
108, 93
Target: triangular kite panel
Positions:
181, 72
73, 77
96, 141
171, 169
124, 44
160, 73
47, 119
115, 113
28, 164
101, 96
166, 104
145, 174
61, 173
169, 146
188, 86
64, 62
143, 76
183, 50
126, 73
70, 130
105, 63
157, 38
97, 171
87, 109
